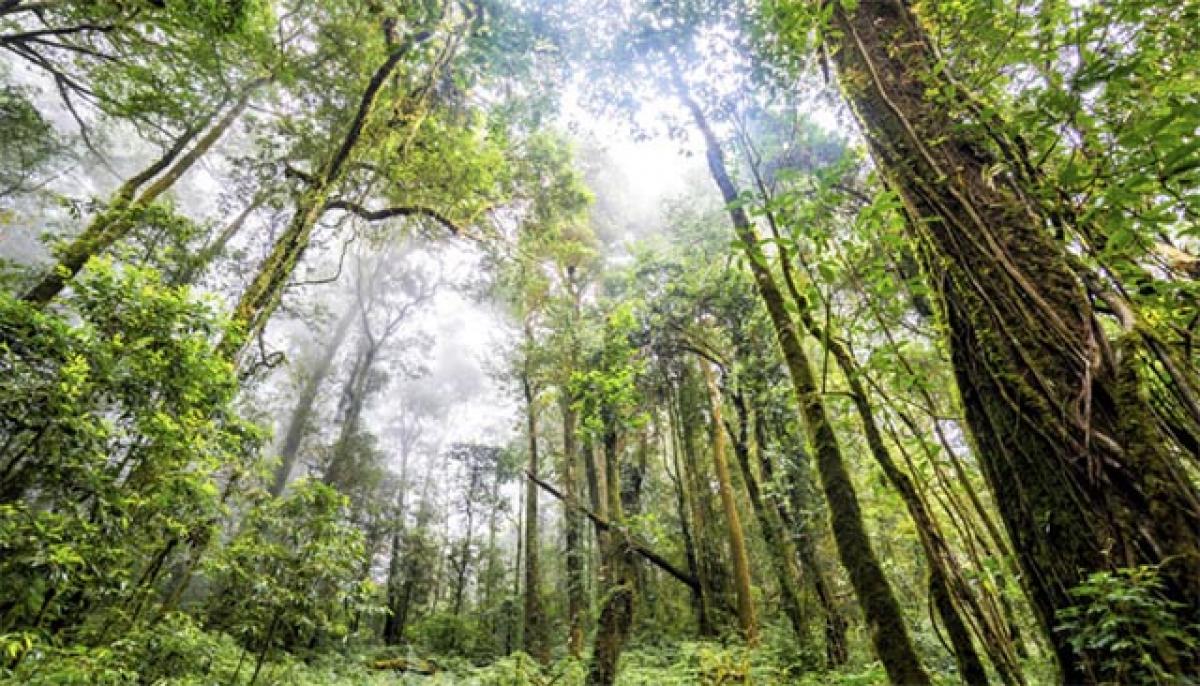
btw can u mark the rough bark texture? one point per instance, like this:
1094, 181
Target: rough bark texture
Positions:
1067, 444
885, 622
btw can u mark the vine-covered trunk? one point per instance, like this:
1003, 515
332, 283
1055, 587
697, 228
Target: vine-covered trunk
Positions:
683, 509
714, 581
573, 533
261, 297
1067, 443
889, 634
802, 496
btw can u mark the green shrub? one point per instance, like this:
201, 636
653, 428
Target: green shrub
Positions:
1125, 626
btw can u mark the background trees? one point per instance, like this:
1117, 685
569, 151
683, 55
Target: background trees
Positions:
910, 396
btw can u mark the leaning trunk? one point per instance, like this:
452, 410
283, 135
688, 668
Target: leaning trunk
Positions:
115, 221
1067, 442
888, 632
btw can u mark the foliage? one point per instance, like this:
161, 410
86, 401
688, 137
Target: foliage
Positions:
291, 576
118, 424
1124, 622
28, 143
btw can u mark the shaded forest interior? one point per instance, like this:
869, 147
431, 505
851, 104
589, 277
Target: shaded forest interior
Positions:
536, 342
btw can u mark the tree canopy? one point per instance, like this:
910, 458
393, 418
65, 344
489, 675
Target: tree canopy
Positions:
637, 342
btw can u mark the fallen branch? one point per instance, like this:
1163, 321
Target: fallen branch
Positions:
634, 544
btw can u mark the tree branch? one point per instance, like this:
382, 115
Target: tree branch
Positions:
634, 544
390, 212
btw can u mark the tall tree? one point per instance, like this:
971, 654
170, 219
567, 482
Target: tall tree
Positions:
1084, 478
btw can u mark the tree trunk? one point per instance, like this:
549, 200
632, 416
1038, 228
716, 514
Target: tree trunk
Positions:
683, 508
215, 248
779, 546
1082, 477
802, 497
573, 530
115, 221
940, 558
711, 573
391, 624
297, 425
885, 622
535, 634
616, 613
737, 539
340, 473
262, 296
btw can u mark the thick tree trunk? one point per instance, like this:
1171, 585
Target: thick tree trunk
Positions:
737, 539
885, 622
1082, 478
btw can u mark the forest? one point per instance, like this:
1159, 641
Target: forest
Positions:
634, 342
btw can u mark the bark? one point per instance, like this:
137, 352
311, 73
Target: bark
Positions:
779, 546
943, 568
121, 215
392, 624
616, 612
604, 527
710, 572
1083, 479
800, 494
885, 622
535, 623
262, 296
342, 472
683, 509
737, 538
573, 531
